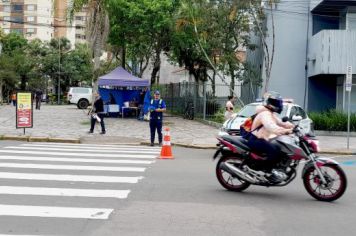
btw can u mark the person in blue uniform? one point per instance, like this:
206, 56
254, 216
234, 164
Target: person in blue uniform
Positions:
157, 107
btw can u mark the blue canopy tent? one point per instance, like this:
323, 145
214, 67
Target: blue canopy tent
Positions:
120, 86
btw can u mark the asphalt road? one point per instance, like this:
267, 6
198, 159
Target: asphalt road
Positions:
183, 197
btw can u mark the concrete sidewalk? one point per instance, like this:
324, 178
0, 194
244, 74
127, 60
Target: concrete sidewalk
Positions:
68, 124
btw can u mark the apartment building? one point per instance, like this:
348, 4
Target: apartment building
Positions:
43, 19
32, 18
315, 42
80, 21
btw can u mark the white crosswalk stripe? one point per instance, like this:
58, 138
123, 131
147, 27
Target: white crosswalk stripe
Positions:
61, 159
36, 169
58, 212
56, 153
68, 167
95, 147
120, 194
83, 150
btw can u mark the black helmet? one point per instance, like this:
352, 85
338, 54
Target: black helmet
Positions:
274, 102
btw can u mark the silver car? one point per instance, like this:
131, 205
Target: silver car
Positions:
232, 126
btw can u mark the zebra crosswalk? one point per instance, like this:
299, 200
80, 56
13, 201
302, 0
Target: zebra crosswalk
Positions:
75, 171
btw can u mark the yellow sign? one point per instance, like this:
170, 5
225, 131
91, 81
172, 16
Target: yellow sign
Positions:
24, 116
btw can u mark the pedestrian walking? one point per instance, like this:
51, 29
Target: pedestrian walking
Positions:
38, 98
97, 114
229, 107
157, 107
13, 98
141, 102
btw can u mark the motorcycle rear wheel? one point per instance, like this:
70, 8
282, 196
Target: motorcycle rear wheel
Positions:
228, 181
316, 189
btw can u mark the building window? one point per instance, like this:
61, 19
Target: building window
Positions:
80, 36
7, 8
17, 7
18, 31
17, 19
79, 18
7, 20
31, 7
30, 31
30, 19
6, 31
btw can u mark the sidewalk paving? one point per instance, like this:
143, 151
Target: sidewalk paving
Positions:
68, 124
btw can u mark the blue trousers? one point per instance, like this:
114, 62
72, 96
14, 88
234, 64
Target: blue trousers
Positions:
156, 125
263, 146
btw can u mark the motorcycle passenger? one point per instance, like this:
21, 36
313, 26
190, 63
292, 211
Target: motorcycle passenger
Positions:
266, 127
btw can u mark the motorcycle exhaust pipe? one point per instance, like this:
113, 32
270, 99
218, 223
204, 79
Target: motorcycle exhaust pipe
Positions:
231, 169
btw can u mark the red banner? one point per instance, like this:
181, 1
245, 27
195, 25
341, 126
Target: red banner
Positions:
24, 115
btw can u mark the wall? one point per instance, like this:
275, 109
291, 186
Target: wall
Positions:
288, 71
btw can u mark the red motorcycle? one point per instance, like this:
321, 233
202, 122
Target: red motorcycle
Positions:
238, 166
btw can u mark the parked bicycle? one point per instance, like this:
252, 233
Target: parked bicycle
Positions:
189, 111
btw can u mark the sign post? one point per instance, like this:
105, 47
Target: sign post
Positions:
24, 111
348, 87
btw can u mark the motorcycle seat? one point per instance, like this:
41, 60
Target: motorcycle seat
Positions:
238, 141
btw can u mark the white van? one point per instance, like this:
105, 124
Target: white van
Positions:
80, 96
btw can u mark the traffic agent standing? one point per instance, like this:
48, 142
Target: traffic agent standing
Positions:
157, 107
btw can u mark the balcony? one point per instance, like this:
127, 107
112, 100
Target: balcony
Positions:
330, 51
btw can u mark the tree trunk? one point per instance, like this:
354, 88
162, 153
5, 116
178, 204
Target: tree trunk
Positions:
213, 86
232, 83
123, 56
97, 53
156, 67
23, 83
1, 95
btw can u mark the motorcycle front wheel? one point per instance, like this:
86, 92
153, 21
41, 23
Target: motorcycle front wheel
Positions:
334, 187
228, 181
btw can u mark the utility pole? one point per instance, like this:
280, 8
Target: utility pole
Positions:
59, 72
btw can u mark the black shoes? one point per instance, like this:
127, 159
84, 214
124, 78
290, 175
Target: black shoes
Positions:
103, 132
152, 144
90, 132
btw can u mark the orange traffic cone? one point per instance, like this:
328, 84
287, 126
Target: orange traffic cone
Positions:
166, 151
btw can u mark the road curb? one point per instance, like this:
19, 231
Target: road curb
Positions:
63, 140
185, 145
15, 138
38, 139
333, 152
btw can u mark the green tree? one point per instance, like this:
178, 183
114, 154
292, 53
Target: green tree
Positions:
97, 28
141, 30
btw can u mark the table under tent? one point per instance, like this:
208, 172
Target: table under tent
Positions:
120, 91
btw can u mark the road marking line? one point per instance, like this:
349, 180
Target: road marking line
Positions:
19, 235
64, 159
71, 167
83, 150
57, 212
64, 192
74, 178
80, 154
96, 145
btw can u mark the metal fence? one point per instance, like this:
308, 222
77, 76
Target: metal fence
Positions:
207, 99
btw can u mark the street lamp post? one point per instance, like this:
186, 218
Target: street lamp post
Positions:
59, 72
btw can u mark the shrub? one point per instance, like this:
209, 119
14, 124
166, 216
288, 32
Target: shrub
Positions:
332, 120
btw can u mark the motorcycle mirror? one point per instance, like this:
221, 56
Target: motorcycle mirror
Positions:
297, 118
285, 119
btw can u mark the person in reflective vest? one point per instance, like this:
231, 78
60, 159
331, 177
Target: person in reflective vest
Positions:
157, 107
